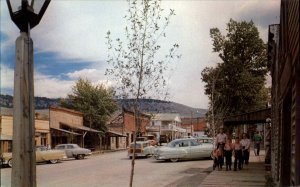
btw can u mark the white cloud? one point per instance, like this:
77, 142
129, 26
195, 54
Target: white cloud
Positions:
8, 28
52, 87
47, 86
7, 77
78, 32
91, 74
95, 76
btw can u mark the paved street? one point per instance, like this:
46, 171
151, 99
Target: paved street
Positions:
113, 169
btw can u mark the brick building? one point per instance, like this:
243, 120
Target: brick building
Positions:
194, 126
122, 125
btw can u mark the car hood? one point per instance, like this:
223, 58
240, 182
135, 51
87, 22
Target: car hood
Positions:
6, 156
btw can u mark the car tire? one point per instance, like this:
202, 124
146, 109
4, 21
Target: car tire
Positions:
174, 159
9, 163
80, 157
53, 161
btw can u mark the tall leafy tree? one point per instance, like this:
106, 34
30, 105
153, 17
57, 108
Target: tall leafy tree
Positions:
237, 84
95, 102
137, 62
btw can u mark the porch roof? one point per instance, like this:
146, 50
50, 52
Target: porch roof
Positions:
254, 117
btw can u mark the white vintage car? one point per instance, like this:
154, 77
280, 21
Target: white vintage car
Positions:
183, 149
42, 155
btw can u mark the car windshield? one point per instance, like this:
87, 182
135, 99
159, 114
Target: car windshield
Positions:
75, 146
42, 148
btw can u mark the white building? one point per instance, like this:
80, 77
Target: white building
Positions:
166, 124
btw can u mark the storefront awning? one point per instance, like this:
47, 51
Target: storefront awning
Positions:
113, 133
254, 117
84, 128
65, 131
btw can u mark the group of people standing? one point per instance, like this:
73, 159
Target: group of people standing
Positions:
226, 148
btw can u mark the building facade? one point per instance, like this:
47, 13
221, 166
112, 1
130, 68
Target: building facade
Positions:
285, 70
194, 126
67, 127
42, 132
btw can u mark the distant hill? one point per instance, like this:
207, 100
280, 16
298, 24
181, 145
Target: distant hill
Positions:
43, 113
40, 102
159, 106
146, 105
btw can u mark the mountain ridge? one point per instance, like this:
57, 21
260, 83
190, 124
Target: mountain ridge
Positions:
146, 105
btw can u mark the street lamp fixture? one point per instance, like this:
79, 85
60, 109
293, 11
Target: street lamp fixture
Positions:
29, 14
26, 16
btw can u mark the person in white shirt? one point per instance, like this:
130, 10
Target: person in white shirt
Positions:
245, 142
221, 138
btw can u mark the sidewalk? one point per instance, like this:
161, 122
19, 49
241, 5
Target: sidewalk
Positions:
251, 175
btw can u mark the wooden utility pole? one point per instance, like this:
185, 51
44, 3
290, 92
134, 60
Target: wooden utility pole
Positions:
23, 172
24, 166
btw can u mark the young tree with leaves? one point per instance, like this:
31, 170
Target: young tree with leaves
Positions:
96, 103
237, 84
137, 66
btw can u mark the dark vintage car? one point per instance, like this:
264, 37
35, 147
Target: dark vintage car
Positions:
139, 149
74, 151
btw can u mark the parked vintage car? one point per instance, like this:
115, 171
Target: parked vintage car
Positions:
183, 149
141, 149
74, 151
42, 155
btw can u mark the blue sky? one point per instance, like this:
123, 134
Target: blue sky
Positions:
70, 42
